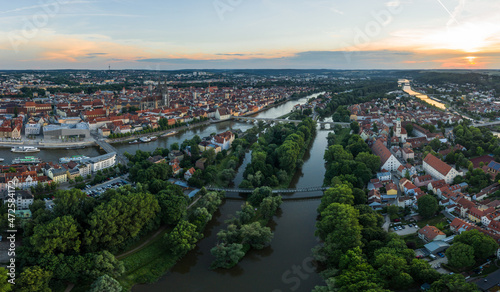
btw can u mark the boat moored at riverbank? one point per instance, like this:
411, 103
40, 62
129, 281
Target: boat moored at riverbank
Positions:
75, 158
24, 149
169, 134
26, 160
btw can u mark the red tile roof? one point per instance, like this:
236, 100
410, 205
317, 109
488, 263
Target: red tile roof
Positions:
380, 150
437, 164
430, 232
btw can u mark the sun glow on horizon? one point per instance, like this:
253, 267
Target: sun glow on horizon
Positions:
471, 60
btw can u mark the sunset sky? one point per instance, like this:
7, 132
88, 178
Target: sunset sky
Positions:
225, 34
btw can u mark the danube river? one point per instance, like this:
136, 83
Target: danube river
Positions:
423, 97
286, 265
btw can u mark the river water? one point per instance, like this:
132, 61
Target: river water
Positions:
283, 266
424, 97
286, 265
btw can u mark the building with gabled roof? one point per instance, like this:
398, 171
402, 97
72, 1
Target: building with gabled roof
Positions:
439, 169
387, 159
431, 233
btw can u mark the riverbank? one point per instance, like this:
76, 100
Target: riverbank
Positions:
425, 98
47, 145
150, 260
201, 124
304, 222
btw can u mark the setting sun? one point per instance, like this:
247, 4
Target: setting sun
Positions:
471, 60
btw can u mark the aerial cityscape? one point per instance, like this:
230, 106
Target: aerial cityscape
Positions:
250, 146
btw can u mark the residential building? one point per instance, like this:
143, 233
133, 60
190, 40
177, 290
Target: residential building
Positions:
23, 199
439, 169
387, 160
430, 233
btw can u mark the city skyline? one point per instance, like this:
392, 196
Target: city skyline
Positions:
238, 34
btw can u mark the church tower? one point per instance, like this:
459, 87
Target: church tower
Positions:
165, 97
397, 133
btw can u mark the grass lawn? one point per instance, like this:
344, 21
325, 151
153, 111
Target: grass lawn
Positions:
342, 135
433, 221
147, 264
143, 239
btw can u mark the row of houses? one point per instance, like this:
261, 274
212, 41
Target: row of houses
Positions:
48, 172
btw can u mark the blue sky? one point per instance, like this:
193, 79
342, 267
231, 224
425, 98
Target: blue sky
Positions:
196, 34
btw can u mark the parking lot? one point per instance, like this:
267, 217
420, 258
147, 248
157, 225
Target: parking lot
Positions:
101, 188
436, 264
404, 231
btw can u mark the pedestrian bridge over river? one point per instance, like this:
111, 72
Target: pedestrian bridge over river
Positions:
280, 191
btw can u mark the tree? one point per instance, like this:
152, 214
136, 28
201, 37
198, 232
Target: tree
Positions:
173, 205
359, 196
182, 238
102, 263
106, 283
227, 175
337, 153
59, 235
435, 144
427, 206
246, 214
72, 202
4, 285
422, 272
200, 217
288, 153
230, 235
392, 268
483, 245
370, 160
409, 129
452, 283
338, 194
259, 194
340, 230
255, 235
460, 255
227, 255
33, 279
355, 127
209, 155
119, 219
356, 273
174, 146
269, 206
393, 210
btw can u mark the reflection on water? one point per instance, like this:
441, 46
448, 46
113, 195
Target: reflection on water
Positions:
423, 97
270, 269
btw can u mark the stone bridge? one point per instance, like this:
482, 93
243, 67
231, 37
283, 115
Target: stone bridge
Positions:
271, 120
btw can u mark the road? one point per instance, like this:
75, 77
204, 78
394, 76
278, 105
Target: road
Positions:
387, 223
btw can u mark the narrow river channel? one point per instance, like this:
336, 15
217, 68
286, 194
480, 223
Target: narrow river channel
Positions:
283, 266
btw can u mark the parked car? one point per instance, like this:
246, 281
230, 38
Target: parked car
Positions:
404, 227
410, 225
395, 228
